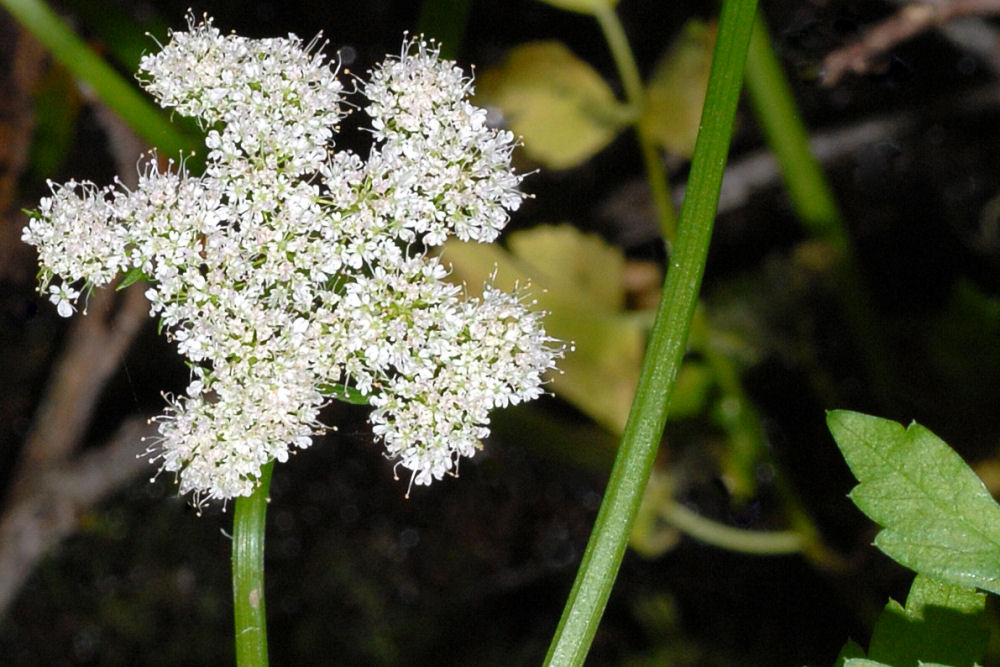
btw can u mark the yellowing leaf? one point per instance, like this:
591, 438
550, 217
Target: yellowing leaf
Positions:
675, 93
578, 266
577, 279
558, 104
582, 6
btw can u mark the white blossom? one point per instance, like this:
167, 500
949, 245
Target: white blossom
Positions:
289, 269
63, 297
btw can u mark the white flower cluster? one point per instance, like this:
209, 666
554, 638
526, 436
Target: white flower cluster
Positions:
288, 271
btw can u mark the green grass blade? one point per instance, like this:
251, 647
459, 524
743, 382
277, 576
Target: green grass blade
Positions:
110, 87
668, 340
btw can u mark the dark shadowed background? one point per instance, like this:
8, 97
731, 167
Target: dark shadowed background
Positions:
475, 570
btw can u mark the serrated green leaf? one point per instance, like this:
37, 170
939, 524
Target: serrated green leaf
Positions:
864, 662
850, 650
941, 623
558, 104
582, 6
675, 92
133, 276
938, 517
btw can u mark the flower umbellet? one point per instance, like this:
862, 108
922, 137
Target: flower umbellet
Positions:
289, 268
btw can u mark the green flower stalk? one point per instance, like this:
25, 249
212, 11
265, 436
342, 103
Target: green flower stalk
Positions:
665, 351
248, 574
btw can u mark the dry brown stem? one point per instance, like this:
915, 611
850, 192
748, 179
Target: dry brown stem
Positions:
53, 483
95, 347
52, 486
909, 21
52, 501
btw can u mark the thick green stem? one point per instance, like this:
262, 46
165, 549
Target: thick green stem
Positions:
248, 574
667, 344
110, 87
628, 71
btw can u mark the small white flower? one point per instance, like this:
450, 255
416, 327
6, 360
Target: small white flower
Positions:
63, 296
288, 268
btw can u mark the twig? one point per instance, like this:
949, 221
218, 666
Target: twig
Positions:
629, 209
52, 484
49, 508
909, 21
95, 347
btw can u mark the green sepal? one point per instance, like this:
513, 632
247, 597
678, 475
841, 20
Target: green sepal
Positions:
344, 394
134, 275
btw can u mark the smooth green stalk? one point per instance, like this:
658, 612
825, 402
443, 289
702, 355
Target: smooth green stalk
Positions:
778, 115
665, 352
628, 71
760, 543
248, 574
112, 89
